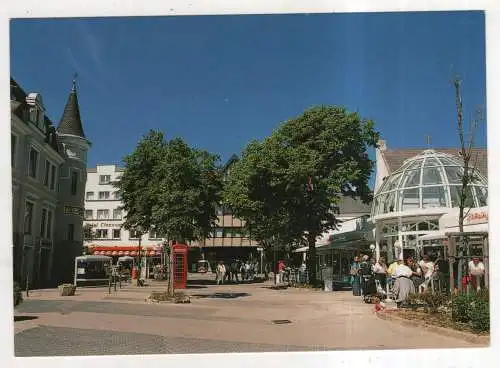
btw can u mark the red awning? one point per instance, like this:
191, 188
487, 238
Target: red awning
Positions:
150, 251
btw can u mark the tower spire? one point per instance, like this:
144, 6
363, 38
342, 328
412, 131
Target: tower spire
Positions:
71, 122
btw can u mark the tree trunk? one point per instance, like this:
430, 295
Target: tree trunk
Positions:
311, 240
170, 261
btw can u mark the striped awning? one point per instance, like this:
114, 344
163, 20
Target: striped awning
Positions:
120, 251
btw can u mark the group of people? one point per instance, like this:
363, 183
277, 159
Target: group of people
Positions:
408, 276
404, 277
234, 269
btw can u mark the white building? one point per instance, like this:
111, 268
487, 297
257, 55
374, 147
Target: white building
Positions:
48, 180
417, 196
103, 214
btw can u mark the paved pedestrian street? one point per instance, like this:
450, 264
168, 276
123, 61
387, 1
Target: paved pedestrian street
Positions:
219, 319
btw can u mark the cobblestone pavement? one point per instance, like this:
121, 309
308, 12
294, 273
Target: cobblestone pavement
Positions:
228, 318
59, 341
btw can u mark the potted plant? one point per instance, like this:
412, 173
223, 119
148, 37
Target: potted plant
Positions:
67, 289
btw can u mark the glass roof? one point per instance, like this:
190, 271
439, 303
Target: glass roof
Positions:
430, 179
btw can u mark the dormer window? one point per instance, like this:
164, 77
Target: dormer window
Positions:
36, 110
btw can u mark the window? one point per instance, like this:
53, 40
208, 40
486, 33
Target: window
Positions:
28, 217
117, 196
153, 234
412, 179
52, 177
433, 197
102, 214
101, 233
71, 231
89, 214
46, 177
48, 234
104, 179
89, 196
13, 149
117, 214
103, 195
219, 232
409, 199
43, 223
74, 182
134, 234
482, 196
116, 233
33, 163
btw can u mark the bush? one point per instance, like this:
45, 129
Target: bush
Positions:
433, 301
480, 316
472, 309
18, 296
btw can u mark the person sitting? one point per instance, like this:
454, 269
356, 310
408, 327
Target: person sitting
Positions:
403, 286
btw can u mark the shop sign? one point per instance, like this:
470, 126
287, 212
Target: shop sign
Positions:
104, 224
72, 210
477, 217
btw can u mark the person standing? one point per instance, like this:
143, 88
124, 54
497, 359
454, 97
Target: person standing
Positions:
380, 271
234, 271
281, 271
220, 273
476, 271
427, 267
355, 278
416, 276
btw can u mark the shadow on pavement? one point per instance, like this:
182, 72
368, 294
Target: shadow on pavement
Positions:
221, 295
24, 318
195, 287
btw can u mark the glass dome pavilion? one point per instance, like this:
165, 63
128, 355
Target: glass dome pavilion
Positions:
429, 180
412, 199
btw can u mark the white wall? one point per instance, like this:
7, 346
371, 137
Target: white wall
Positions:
381, 168
110, 204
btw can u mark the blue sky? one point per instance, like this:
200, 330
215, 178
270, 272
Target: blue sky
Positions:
221, 81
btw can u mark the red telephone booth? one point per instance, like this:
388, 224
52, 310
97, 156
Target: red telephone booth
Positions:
180, 254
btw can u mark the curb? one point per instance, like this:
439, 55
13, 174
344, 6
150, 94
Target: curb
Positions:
469, 337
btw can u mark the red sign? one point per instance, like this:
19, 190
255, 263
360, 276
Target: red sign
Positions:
477, 217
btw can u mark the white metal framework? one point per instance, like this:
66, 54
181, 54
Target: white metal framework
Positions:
411, 200
429, 180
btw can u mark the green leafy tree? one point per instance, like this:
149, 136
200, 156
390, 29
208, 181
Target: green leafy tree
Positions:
189, 189
171, 188
289, 185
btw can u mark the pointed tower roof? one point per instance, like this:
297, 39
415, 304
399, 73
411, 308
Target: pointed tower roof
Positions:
71, 122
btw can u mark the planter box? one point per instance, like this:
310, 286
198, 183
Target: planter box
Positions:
67, 290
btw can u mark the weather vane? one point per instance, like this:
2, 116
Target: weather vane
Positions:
75, 75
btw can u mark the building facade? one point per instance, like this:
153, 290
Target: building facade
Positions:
417, 194
48, 179
104, 219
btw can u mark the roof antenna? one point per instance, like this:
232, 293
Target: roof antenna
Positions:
75, 75
428, 141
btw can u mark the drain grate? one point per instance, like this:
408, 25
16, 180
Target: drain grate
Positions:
281, 321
